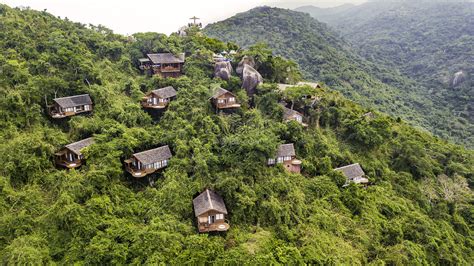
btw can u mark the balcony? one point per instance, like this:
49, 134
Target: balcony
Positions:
68, 164
139, 173
227, 105
215, 227
159, 105
168, 69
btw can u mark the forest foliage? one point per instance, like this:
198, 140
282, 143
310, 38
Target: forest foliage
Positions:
431, 42
325, 56
417, 210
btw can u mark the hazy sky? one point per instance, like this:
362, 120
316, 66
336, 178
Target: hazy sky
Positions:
127, 17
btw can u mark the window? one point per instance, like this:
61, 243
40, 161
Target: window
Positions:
271, 161
279, 159
220, 100
219, 216
211, 219
287, 158
299, 118
164, 162
231, 99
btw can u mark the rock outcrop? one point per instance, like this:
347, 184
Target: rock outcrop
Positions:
223, 70
459, 77
250, 79
246, 60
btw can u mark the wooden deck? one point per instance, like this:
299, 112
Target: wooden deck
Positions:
227, 106
156, 106
67, 114
170, 69
215, 227
140, 173
69, 165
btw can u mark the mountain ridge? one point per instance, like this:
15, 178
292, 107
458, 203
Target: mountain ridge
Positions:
324, 56
429, 42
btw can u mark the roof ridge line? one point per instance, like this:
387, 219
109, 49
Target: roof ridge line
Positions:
210, 201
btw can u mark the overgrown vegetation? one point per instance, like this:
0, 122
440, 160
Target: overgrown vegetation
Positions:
418, 210
326, 57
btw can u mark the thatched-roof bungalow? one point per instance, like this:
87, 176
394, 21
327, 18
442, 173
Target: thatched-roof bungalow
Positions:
286, 155
159, 99
71, 105
164, 64
210, 211
354, 174
292, 115
70, 156
148, 162
224, 99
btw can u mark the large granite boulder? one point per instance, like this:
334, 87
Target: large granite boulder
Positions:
250, 79
223, 70
459, 77
246, 60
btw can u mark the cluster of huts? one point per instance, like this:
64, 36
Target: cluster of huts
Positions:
209, 207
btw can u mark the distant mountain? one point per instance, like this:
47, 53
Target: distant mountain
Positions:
326, 57
429, 42
325, 14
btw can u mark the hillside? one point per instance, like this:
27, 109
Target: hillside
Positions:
324, 56
417, 210
428, 42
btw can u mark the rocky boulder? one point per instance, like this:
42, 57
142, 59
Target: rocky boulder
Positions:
459, 77
223, 70
246, 60
250, 79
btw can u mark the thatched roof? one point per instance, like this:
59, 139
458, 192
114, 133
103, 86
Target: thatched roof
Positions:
351, 171
219, 92
166, 92
154, 155
76, 147
166, 58
76, 100
288, 113
286, 150
207, 201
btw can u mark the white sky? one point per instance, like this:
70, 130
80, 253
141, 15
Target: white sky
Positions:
128, 17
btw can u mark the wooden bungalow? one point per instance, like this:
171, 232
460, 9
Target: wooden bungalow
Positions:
286, 155
159, 99
292, 115
354, 174
224, 99
70, 156
69, 106
164, 64
148, 162
210, 211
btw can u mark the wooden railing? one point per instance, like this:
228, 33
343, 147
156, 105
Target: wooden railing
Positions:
68, 164
217, 226
170, 69
138, 173
159, 105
